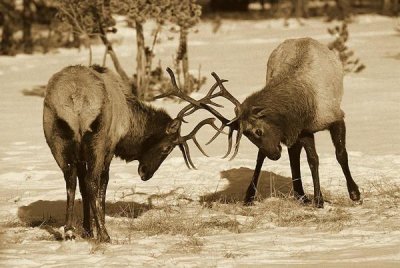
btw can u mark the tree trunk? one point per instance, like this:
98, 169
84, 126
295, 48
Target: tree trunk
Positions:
343, 8
76, 39
395, 7
7, 45
141, 72
298, 11
304, 7
184, 59
111, 52
386, 7
300, 8
27, 27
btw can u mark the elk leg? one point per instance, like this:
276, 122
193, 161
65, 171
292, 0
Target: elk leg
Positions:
251, 190
313, 161
70, 181
294, 157
92, 183
103, 184
338, 135
62, 151
87, 225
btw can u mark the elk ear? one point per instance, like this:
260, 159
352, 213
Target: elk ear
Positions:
173, 126
258, 111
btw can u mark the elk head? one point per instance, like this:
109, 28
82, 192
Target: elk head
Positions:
250, 121
158, 148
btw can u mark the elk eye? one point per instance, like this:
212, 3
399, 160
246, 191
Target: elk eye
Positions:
258, 132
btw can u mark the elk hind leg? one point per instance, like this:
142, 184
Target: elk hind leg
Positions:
62, 151
96, 153
87, 222
338, 135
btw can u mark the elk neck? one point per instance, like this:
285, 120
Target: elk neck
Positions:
147, 125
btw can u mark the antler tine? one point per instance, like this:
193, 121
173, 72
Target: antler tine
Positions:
185, 157
192, 135
208, 121
225, 93
189, 159
220, 130
176, 91
190, 108
237, 143
229, 143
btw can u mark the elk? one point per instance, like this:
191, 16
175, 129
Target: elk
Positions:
89, 116
303, 92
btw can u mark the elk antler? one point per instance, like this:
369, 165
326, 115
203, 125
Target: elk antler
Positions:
192, 136
233, 124
193, 104
206, 103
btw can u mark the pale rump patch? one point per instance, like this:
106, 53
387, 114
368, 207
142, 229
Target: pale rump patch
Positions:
79, 100
74, 98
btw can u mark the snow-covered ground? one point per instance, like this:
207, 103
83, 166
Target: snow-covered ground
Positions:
32, 189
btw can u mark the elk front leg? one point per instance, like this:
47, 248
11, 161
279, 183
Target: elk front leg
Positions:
313, 161
294, 157
251, 190
87, 224
338, 135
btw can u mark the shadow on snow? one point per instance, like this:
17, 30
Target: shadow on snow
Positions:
49, 215
269, 184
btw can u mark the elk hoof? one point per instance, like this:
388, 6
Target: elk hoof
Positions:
248, 201
355, 195
303, 199
319, 203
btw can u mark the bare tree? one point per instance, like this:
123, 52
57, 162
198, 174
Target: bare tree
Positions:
10, 18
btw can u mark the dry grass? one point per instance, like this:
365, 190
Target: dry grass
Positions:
384, 190
192, 219
187, 221
289, 213
189, 245
177, 214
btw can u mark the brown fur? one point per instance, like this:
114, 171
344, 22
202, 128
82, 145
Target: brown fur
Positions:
298, 96
89, 116
303, 92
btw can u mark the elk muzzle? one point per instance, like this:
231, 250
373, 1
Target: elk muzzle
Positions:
143, 173
273, 153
